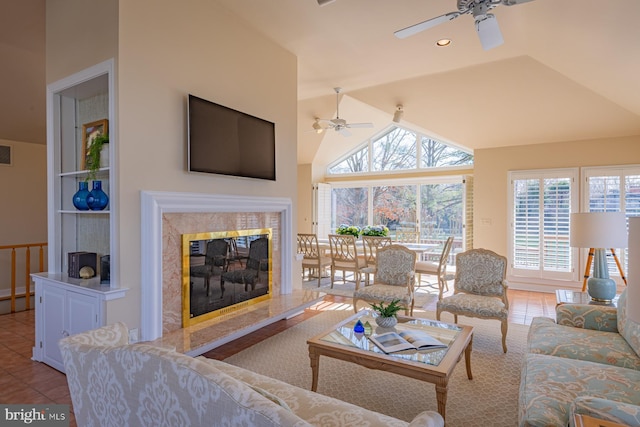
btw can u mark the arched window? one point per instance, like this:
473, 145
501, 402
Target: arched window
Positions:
397, 149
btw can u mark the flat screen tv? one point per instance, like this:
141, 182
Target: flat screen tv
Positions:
228, 142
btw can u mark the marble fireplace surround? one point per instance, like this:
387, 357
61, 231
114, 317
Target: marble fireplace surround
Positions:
167, 215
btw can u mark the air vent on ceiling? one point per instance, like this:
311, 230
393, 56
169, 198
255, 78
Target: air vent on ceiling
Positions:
5, 155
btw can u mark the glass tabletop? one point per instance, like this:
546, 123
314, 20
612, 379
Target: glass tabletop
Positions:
444, 332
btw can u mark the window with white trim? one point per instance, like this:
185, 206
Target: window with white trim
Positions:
613, 189
541, 203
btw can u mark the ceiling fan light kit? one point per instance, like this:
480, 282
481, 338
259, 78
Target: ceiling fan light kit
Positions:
338, 124
486, 23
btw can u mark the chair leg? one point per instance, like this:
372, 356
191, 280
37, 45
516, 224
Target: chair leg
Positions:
504, 328
333, 276
355, 308
438, 311
413, 301
319, 275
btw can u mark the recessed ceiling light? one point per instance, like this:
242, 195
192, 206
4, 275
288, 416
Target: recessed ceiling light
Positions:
443, 42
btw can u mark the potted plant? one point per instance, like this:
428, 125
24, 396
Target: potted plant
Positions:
93, 155
353, 230
375, 230
387, 314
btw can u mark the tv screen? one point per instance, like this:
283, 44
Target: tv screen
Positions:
228, 142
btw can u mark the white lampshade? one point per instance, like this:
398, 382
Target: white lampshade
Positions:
633, 260
598, 230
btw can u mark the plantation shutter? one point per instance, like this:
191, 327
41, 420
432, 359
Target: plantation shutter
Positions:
468, 213
541, 204
322, 209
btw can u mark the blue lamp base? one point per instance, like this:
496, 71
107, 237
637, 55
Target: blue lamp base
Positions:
600, 287
601, 290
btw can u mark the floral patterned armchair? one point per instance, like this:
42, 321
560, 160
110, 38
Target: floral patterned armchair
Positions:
393, 280
480, 289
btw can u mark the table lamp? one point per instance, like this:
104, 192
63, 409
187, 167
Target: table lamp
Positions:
633, 260
599, 231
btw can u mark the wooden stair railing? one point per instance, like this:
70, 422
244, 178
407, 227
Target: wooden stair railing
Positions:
27, 272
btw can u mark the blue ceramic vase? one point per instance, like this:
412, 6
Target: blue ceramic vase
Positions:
80, 198
98, 199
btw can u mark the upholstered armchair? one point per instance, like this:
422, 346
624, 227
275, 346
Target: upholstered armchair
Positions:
394, 278
479, 289
371, 244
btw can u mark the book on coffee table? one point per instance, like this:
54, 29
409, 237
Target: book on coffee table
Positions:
390, 342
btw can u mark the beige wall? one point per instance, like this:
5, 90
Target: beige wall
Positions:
79, 34
305, 202
491, 176
166, 52
23, 191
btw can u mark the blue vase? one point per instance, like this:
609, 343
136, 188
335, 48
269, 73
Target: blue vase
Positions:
98, 199
80, 198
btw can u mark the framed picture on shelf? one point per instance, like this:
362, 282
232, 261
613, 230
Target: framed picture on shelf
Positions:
89, 132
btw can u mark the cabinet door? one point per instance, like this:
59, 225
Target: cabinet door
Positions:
83, 312
54, 325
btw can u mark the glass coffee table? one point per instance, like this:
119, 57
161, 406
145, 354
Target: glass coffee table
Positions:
433, 366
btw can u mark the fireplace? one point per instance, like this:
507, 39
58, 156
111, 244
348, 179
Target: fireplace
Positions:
167, 216
224, 271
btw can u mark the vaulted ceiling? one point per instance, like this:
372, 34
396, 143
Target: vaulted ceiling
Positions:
568, 70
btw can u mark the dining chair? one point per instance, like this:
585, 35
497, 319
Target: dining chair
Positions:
344, 257
479, 289
215, 261
438, 269
370, 245
314, 261
394, 278
407, 236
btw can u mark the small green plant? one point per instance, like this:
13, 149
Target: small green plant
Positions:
389, 310
93, 155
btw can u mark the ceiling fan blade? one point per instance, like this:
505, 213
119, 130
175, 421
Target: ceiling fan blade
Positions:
414, 29
344, 132
489, 32
324, 2
514, 2
359, 125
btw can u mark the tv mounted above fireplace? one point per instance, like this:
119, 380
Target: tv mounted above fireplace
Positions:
228, 142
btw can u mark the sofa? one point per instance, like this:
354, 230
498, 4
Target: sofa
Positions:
114, 383
585, 362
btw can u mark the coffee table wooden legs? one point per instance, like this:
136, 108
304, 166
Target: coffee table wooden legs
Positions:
315, 362
441, 396
467, 358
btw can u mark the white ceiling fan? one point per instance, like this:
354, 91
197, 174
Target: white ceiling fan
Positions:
486, 23
338, 124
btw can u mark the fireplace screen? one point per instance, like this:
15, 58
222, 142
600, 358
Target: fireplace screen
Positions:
223, 271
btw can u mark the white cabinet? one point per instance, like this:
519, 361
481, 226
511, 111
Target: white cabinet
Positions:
65, 307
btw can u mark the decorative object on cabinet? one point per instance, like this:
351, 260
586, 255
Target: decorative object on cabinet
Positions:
94, 136
79, 260
80, 198
98, 199
105, 269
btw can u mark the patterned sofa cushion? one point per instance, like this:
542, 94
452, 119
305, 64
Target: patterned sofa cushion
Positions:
318, 409
143, 385
549, 385
547, 337
629, 329
604, 409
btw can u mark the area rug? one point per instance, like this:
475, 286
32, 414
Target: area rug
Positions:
490, 399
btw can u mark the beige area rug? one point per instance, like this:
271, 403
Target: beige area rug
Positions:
490, 399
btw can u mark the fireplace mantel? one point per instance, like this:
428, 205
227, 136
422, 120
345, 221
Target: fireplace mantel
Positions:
155, 204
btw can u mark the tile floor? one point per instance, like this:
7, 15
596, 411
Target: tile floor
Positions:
26, 381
